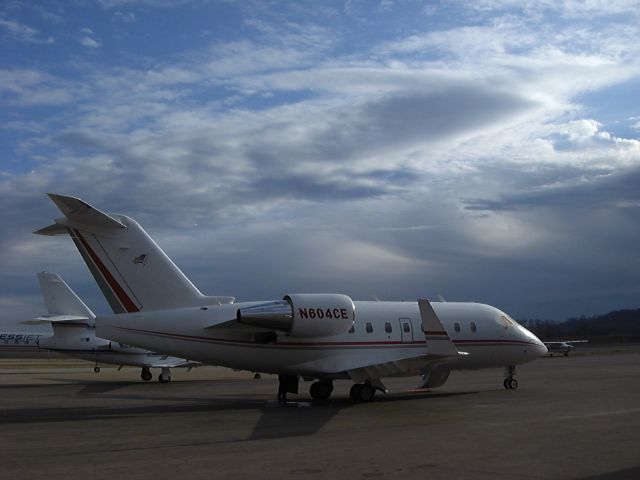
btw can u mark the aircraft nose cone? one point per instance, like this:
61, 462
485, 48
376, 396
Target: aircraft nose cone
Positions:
541, 348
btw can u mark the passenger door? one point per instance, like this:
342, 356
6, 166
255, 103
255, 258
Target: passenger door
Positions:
406, 330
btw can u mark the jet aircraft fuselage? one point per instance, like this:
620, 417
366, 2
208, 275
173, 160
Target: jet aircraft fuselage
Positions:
383, 332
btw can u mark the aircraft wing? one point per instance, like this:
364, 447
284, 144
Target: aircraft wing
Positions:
437, 339
438, 349
172, 362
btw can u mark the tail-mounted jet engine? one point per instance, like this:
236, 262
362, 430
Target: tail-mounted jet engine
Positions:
303, 314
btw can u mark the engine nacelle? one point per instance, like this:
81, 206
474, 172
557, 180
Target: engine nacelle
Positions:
303, 314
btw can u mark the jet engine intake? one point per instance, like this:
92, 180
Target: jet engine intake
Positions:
303, 314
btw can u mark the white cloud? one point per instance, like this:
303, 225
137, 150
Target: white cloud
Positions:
23, 87
23, 32
89, 42
446, 147
125, 17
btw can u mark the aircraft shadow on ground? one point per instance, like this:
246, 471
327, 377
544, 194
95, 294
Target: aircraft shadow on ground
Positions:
276, 420
625, 474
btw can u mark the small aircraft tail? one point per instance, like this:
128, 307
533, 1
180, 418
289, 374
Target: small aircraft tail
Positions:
60, 300
132, 271
64, 308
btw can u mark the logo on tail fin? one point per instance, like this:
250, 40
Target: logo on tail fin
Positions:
142, 259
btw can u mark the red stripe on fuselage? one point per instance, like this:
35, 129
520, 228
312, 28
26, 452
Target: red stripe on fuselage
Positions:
196, 338
126, 302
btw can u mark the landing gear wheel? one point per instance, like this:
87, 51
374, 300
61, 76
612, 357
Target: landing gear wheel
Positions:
510, 383
96, 369
362, 392
165, 375
367, 392
321, 390
146, 375
354, 392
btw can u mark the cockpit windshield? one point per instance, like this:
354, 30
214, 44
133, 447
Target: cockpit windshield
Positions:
507, 321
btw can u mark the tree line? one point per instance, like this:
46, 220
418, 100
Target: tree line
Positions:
620, 325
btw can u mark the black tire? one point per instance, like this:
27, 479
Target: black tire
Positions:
354, 392
96, 369
146, 375
513, 383
320, 390
367, 392
506, 384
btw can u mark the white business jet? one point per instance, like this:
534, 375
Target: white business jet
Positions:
74, 334
310, 335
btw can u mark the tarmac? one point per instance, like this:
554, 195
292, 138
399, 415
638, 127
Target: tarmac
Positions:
575, 417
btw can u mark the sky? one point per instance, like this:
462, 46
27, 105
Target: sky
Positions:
483, 151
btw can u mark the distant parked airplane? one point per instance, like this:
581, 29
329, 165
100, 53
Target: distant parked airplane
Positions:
74, 334
22, 344
563, 346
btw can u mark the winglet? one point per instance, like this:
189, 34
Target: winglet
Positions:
78, 212
436, 337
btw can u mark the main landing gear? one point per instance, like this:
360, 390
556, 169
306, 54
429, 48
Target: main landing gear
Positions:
165, 375
96, 368
510, 383
362, 392
321, 390
287, 384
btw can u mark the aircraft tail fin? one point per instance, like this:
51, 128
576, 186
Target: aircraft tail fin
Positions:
63, 305
132, 271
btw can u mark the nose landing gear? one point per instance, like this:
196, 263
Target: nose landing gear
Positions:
510, 383
145, 375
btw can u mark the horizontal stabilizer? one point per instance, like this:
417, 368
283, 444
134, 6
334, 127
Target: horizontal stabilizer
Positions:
438, 341
56, 319
78, 213
52, 230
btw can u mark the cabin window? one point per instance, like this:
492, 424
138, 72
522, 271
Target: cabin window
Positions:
473, 327
369, 327
352, 329
387, 327
456, 327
